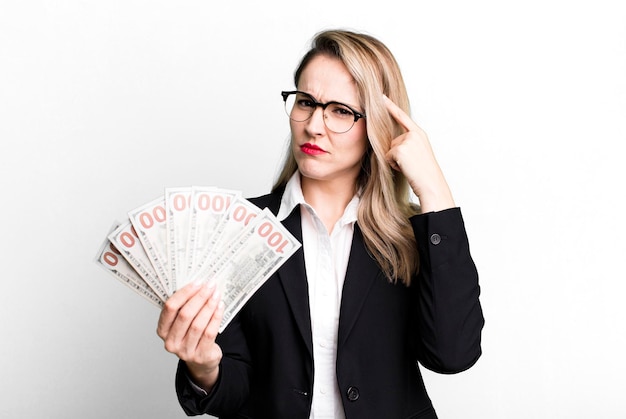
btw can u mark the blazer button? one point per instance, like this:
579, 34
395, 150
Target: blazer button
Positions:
435, 239
353, 394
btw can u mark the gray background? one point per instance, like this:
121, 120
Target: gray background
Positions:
103, 104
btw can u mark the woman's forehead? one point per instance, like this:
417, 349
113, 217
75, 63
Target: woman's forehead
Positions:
327, 79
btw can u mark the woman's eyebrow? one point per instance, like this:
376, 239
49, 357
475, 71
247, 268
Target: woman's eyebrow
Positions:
357, 108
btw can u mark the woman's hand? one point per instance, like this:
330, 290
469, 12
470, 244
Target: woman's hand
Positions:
188, 325
411, 154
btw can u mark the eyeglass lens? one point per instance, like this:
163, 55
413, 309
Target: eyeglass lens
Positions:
337, 117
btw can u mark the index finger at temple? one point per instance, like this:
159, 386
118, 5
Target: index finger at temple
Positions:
399, 115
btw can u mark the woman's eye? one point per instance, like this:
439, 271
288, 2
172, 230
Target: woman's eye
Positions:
305, 103
342, 111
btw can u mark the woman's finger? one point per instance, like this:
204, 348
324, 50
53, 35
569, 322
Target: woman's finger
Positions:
206, 317
207, 343
216, 321
391, 159
399, 115
173, 305
186, 314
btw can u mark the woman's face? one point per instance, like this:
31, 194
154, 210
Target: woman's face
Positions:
321, 154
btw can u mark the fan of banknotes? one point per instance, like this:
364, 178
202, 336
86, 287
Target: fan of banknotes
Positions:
197, 233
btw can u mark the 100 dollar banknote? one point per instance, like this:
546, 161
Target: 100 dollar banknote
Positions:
197, 234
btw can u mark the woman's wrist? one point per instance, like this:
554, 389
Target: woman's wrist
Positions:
203, 376
435, 199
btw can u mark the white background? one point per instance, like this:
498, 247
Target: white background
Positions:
103, 104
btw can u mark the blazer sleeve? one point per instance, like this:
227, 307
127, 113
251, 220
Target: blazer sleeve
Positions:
232, 388
449, 314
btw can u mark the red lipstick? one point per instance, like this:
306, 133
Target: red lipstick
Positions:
311, 149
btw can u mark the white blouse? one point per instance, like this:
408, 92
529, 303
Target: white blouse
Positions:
326, 260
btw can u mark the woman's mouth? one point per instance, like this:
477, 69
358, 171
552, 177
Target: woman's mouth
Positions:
311, 149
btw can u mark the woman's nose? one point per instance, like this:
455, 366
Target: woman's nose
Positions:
315, 124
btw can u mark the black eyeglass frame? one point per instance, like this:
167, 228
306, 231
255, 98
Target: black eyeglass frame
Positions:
357, 115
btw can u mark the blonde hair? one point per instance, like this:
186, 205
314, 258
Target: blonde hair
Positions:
384, 206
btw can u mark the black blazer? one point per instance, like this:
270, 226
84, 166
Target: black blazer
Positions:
384, 331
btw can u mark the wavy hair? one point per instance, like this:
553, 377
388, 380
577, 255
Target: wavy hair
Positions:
384, 206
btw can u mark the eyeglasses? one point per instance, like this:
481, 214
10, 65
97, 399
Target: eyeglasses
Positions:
338, 118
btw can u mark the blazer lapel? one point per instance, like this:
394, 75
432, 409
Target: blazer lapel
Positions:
360, 275
292, 275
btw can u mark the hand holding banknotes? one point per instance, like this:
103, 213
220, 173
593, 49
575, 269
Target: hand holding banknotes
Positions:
188, 325
196, 235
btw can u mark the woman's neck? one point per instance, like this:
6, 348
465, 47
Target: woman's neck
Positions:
328, 198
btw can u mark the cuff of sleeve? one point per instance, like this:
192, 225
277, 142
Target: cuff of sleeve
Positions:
199, 391
440, 235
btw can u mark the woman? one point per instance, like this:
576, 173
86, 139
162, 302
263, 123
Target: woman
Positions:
379, 285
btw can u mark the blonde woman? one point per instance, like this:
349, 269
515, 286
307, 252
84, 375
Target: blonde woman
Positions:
380, 284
